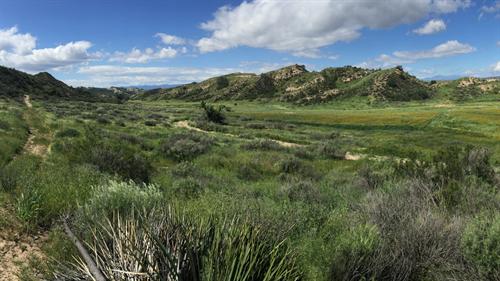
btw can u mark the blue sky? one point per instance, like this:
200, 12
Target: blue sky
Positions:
132, 42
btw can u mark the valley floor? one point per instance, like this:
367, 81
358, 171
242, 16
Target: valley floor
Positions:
336, 185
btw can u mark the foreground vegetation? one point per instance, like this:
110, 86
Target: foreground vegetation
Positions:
266, 192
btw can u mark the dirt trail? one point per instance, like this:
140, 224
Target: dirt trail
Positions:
185, 124
30, 146
17, 247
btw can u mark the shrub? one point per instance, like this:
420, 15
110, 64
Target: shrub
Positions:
214, 114
187, 187
369, 179
68, 133
331, 149
4, 125
8, 179
103, 120
122, 197
185, 146
417, 242
297, 167
262, 144
150, 123
305, 191
249, 171
481, 245
120, 160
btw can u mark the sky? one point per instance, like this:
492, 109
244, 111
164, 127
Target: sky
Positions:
106, 43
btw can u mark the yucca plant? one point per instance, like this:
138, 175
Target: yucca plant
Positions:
167, 245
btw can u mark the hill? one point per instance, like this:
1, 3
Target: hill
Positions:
16, 84
298, 85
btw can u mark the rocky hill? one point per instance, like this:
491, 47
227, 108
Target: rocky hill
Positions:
296, 84
16, 84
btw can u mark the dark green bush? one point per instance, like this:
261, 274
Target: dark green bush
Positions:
121, 160
214, 114
68, 133
8, 179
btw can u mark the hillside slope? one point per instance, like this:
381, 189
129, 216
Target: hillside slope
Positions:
296, 84
16, 84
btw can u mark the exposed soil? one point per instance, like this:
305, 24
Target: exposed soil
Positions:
185, 124
17, 246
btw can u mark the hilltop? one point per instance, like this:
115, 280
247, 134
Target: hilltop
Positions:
296, 84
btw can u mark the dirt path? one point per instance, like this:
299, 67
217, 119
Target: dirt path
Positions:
30, 147
18, 247
185, 124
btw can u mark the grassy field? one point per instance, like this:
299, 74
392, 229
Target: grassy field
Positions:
423, 187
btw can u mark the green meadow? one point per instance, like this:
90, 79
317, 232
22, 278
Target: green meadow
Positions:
337, 191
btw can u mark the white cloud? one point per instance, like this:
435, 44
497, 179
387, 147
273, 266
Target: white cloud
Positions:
301, 26
139, 56
12, 41
496, 67
168, 39
431, 27
498, 43
449, 48
115, 75
18, 51
491, 9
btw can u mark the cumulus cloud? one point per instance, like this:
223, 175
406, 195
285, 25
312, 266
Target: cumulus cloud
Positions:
450, 48
496, 67
139, 56
168, 39
431, 27
302, 26
19, 51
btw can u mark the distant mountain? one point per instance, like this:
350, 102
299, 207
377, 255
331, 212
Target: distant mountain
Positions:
16, 84
296, 84
151, 87
442, 78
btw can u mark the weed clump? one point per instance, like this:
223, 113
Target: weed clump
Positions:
185, 146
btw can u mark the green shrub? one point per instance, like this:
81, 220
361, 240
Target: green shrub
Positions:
187, 187
331, 149
305, 191
121, 197
68, 133
249, 171
262, 144
481, 245
8, 179
214, 114
185, 146
369, 179
4, 125
120, 160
